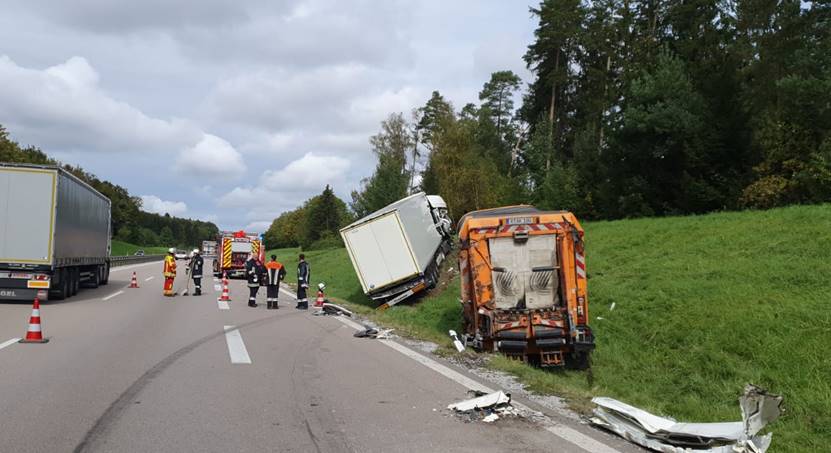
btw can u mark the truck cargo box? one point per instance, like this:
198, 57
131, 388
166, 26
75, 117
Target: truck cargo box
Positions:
394, 244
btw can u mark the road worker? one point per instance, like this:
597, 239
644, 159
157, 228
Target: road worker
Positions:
196, 265
252, 274
303, 276
275, 272
169, 272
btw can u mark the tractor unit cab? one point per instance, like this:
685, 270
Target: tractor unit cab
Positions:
523, 277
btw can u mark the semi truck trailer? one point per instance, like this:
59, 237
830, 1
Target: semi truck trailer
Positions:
523, 285
54, 233
397, 250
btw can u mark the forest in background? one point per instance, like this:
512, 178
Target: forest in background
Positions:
636, 108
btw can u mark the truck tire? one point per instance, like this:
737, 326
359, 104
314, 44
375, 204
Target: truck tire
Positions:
106, 273
74, 280
62, 290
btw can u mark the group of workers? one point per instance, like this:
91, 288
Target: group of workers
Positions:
257, 273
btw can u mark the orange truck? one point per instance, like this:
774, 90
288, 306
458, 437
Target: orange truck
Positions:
523, 285
234, 248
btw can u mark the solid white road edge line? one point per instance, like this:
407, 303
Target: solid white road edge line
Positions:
113, 295
149, 278
236, 347
572, 436
223, 304
132, 266
9, 343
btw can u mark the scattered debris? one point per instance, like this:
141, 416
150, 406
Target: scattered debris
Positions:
599, 318
481, 402
487, 407
373, 332
613, 306
330, 309
456, 342
759, 408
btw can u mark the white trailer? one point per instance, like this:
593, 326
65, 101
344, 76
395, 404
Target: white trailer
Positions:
396, 251
54, 233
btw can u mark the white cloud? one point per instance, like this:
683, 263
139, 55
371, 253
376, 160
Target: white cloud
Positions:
64, 106
152, 203
311, 171
211, 157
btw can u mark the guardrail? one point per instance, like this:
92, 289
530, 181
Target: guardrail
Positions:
116, 261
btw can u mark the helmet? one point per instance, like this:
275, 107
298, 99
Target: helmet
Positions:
321, 286
171, 250
195, 251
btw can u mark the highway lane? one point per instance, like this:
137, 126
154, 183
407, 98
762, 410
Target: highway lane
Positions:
140, 372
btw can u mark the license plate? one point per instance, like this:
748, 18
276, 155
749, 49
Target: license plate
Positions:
519, 221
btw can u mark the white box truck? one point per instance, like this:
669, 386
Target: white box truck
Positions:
54, 233
396, 251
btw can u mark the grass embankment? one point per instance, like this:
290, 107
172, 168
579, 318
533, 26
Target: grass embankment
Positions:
703, 305
120, 248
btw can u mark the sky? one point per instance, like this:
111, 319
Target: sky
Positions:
236, 111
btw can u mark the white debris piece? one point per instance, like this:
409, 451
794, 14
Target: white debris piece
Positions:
485, 401
490, 418
666, 435
613, 306
458, 344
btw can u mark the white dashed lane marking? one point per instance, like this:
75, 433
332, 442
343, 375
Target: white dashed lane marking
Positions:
236, 347
9, 343
113, 295
149, 278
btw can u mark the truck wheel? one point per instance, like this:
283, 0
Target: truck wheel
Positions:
105, 270
75, 280
63, 288
580, 361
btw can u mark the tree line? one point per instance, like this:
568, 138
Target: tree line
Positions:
636, 108
129, 222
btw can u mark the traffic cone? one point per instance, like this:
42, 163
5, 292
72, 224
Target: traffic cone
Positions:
225, 297
134, 281
320, 300
34, 334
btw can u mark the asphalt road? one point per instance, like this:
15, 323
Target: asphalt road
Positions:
128, 370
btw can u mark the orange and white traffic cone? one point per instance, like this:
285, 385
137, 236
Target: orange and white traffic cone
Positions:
134, 281
320, 299
35, 334
225, 297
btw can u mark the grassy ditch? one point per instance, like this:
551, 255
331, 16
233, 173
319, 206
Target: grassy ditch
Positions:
703, 305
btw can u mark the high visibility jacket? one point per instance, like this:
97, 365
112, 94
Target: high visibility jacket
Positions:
169, 267
275, 272
196, 264
304, 274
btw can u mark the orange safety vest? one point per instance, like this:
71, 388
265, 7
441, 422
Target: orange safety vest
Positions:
169, 267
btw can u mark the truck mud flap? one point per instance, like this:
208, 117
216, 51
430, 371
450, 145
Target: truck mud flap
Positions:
512, 345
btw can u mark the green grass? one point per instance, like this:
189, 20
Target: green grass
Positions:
704, 305
120, 248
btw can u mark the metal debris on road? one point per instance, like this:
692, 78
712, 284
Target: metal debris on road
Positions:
485, 407
330, 309
373, 332
758, 407
456, 342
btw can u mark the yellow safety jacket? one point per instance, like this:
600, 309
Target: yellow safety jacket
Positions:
169, 267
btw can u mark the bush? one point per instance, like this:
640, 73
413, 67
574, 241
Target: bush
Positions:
328, 241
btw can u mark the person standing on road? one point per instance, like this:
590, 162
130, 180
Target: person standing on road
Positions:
275, 272
303, 276
252, 274
196, 265
169, 272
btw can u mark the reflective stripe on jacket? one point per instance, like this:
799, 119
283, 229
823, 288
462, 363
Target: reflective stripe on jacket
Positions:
169, 267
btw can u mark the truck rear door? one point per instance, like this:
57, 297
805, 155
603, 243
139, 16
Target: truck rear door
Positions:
27, 215
380, 252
